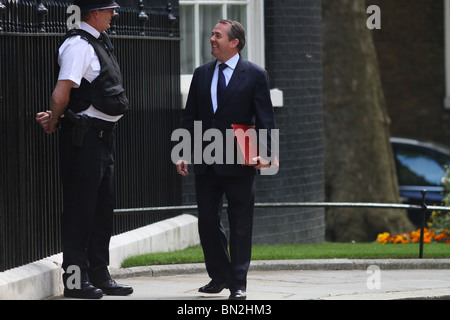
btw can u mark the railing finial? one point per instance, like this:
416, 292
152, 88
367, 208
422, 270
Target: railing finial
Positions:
172, 18
41, 11
2, 12
143, 18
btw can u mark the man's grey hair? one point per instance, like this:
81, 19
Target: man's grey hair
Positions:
237, 31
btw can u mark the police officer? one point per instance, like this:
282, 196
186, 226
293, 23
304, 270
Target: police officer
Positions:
87, 102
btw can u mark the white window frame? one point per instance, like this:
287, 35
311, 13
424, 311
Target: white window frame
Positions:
447, 53
254, 32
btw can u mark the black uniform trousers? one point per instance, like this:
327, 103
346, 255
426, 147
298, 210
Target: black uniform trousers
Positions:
88, 201
222, 266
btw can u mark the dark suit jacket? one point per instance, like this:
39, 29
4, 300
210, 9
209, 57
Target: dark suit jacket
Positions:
246, 100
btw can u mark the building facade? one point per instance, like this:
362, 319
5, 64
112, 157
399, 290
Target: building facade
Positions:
158, 44
285, 38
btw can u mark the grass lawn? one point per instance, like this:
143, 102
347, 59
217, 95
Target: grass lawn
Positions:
326, 250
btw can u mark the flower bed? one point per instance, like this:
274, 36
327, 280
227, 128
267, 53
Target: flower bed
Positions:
429, 236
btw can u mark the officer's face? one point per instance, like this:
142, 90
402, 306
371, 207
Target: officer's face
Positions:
104, 18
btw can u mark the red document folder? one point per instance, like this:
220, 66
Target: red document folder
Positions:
246, 142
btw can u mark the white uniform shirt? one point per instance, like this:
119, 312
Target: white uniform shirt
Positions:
78, 60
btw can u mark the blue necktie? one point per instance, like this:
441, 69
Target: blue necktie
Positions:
221, 83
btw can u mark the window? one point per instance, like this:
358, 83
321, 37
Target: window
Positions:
198, 18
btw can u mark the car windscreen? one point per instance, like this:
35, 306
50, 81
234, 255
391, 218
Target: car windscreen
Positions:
419, 167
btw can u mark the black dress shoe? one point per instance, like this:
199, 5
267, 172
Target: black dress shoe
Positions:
112, 288
213, 287
86, 291
238, 295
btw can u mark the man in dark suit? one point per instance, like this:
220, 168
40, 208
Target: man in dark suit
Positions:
227, 91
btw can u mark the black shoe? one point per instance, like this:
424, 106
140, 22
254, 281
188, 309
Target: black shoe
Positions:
86, 291
238, 295
213, 287
112, 288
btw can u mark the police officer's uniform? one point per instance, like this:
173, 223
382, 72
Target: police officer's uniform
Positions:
87, 149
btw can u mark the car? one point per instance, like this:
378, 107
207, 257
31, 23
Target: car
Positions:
420, 166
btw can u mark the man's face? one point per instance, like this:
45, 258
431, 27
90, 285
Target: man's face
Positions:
104, 18
221, 46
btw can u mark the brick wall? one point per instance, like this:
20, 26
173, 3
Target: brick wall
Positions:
294, 63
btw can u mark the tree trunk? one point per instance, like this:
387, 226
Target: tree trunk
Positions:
359, 164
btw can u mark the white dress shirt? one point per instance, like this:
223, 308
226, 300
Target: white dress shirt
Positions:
228, 73
78, 60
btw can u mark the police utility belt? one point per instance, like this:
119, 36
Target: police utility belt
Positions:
81, 125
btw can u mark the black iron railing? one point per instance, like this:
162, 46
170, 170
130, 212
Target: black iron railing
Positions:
146, 39
153, 18
421, 209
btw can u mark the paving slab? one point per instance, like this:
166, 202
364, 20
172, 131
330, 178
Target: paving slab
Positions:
304, 280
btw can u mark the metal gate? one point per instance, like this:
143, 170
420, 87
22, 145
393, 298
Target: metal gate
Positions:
146, 37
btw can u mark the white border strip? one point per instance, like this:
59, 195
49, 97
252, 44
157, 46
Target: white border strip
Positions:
42, 279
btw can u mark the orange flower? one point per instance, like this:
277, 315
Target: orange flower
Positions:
440, 237
400, 239
443, 237
414, 237
383, 237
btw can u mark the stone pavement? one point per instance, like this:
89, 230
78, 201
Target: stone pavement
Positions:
334, 279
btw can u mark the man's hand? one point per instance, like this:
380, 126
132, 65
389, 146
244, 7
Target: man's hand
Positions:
182, 167
261, 163
47, 122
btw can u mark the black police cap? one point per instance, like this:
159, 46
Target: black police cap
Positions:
89, 5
